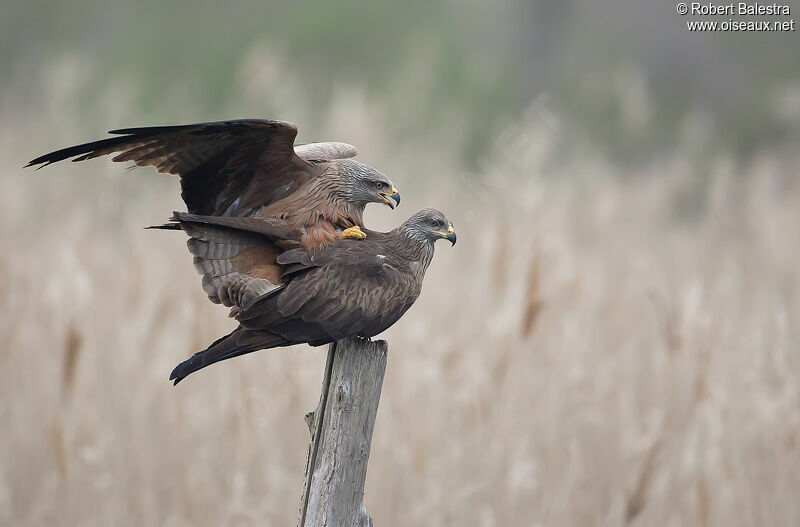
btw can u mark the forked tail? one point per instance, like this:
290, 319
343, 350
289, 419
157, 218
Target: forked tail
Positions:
239, 342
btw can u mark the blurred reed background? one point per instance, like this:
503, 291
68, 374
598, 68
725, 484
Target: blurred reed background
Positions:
613, 341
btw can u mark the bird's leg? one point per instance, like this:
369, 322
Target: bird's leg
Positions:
354, 233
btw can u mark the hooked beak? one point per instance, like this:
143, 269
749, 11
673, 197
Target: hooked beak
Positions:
450, 235
392, 199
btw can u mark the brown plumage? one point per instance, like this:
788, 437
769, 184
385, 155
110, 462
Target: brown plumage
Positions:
252, 168
351, 287
239, 168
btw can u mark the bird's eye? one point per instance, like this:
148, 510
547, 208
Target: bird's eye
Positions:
434, 224
379, 185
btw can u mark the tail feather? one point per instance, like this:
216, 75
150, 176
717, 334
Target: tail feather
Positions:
239, 342
273, 228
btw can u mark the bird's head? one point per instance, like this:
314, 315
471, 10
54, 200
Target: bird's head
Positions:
429, 225
368, 185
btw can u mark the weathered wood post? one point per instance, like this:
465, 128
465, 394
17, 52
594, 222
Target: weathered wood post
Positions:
341, 434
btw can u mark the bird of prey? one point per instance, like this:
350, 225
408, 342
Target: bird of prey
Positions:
349, 288
251, 167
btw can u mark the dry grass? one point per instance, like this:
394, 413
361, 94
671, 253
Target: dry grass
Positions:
588, 354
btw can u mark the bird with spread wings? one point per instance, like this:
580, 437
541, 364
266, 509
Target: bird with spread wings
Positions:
252, 167
349, 288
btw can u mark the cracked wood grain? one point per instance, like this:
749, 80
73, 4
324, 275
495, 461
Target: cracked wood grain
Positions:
341, 434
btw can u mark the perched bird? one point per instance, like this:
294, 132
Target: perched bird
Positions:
251, 167
349, 288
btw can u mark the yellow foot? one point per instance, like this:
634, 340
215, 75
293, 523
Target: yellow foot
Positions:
354, 233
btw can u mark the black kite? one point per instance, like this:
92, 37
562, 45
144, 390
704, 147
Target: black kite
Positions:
251, 167
349, 288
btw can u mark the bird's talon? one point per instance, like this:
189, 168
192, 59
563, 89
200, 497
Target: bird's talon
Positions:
353, 233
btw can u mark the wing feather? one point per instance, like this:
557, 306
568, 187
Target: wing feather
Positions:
217, 162
321, 152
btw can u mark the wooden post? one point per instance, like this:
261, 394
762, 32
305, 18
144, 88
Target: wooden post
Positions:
341, 434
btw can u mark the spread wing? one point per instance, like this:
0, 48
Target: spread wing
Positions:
226, 167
